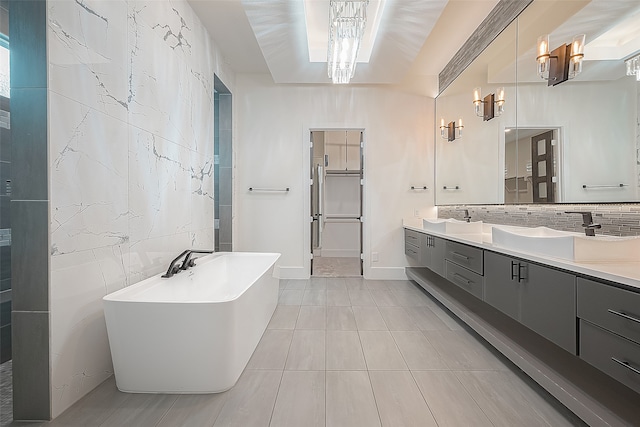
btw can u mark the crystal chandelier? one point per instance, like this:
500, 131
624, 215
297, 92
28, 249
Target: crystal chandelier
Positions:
633, 66
347, 20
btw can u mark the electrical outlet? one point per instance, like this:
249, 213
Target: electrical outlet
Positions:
416, 212
374, 256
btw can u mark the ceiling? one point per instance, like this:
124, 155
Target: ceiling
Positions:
416, 39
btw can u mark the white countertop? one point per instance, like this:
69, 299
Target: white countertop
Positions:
625, 273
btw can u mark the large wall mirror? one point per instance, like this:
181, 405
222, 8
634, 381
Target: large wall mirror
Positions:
526, 141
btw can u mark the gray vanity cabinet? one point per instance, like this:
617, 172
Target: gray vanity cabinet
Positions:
414, 244
610, 330
501, 285
539, 297
433, 254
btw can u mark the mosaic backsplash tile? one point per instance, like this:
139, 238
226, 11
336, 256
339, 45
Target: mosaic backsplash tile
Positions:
616, 219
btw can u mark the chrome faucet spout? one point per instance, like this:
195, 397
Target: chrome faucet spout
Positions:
587, 222
467, 217
173, 268
190, 262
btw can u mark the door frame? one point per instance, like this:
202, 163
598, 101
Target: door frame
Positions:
306, 202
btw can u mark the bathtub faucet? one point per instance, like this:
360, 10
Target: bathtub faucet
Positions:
173, 268
190, 262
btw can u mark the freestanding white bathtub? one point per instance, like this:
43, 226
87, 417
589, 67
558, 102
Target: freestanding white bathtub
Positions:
193, 332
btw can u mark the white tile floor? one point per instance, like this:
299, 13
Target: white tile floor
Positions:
349, 352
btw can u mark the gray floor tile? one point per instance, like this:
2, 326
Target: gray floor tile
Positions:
381, 352
410, 298
344, 351
417, 352
500, 399
341, 319
399, 400
298, 284
307, 351
402, 285
290, 297
282, 284
397, 319
272, 350
250, 402
439, 389
369, 319
446, 316
95, 407
335, 284
317, 284
361, 297
194, 410
376, 285
384, 298
338, 298
350, 401
143, 410
461, 351
312, 317
301, 400
314, 297
355, 284
285, 317
426, 320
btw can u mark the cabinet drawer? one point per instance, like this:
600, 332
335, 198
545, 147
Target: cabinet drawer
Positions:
414, 238
412, 251
614, 309
613, 355
466, 256
466, 279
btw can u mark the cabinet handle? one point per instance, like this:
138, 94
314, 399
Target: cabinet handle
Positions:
459, 255
513, 275
521, 267
626, 365
626, 316
462, 279
411, 237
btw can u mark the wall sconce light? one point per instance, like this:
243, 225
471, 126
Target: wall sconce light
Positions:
450, 131
486, 108
563, 63
633, 66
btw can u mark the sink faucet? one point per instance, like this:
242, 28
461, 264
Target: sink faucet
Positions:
467, 217
587, 222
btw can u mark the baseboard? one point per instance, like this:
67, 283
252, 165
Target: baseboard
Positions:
385, 273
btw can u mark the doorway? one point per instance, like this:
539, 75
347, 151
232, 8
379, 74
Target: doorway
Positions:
222, 167
337, 169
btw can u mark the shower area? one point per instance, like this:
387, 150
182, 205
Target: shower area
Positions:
336, 203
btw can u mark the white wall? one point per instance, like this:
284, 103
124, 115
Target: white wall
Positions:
272, 150
130, 164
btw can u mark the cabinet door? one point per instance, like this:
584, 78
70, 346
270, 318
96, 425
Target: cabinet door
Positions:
501, 288
438, 251
548, 305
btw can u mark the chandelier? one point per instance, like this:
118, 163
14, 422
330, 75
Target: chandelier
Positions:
347, 20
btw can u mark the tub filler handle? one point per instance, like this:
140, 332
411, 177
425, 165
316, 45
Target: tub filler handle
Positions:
188, 262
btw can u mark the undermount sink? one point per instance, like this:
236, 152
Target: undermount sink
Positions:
452, 226
567, 245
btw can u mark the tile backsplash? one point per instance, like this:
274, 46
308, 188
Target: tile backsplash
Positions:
616, 219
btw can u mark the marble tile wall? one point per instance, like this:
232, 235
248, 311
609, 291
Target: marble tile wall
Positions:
131, 164
616, 219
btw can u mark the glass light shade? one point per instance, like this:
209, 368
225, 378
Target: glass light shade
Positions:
477, 101
576, 55
542, 57
347, 20
500, 101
